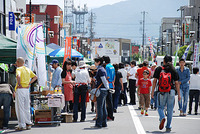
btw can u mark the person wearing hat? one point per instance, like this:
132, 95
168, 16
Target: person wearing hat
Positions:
82, 80
166, 98
56, 78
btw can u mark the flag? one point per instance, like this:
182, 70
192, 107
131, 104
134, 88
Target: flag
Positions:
30, 46
68, 46
186, 52
196, 51
139, 60
176, 55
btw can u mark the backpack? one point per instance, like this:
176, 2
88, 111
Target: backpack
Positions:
164, 84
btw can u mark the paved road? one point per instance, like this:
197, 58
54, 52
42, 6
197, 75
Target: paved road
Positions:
127, 121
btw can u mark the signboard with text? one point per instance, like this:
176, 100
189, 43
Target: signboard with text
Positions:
11, 21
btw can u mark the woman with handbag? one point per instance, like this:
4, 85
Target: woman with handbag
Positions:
101, 99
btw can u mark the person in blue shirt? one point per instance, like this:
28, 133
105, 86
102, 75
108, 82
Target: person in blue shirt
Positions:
102, 83
110, 70
184, 77
56, 78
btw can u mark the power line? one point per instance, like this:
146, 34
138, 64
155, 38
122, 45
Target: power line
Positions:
127, 24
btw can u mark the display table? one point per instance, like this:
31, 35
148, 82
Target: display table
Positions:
55, 103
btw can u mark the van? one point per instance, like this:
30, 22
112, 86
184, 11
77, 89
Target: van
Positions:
159, 60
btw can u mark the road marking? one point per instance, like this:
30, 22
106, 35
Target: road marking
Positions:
136, 120
185, 118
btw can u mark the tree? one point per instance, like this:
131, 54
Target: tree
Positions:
136, 56
182, 51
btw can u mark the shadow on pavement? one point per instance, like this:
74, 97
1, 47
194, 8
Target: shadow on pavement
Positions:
159, 132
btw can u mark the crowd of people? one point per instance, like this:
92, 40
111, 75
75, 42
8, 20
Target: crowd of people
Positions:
154, 86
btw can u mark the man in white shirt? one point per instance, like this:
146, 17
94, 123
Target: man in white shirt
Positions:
194, 89
82, 79
132, 82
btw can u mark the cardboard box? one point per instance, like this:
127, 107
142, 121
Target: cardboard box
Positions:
54, 102
67, 117
45, 92
42, 115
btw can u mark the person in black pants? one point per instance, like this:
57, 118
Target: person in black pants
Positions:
194, 90
132, 82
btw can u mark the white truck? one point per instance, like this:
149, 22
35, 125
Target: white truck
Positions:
159, 60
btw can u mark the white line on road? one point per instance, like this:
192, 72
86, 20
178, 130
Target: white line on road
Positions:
185, 118
136, 120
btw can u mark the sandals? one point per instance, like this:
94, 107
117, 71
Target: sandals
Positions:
20, 128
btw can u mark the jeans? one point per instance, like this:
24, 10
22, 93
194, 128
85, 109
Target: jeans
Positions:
194, 94
132, 87
154, 100
116, 96
109, 102
5, 101
163, 100
101, 109
81, 90
123, 95
184, 91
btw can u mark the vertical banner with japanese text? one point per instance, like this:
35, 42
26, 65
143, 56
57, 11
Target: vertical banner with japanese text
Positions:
196, 52
68, 48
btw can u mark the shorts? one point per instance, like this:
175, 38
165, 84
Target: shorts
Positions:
145, 99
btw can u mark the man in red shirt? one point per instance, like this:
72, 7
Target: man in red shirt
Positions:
140, 71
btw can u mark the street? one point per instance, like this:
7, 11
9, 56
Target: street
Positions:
127, 120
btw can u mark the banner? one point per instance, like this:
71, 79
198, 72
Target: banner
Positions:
151, 49
11, 21
196, 52
30, 46
187, 33
176, 54
68, 49
186, 52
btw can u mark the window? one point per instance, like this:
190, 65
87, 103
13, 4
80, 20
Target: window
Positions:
2, 17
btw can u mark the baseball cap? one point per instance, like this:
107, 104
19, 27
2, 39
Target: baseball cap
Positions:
54, 61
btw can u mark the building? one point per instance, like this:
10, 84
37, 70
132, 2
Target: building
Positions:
7, 6
168, 35
48, 18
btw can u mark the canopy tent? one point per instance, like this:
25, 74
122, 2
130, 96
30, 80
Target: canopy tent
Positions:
59, 55
53, 46
7, 50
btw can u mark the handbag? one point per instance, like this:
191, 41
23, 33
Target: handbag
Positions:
93, 98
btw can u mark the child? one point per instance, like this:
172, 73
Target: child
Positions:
144, 88
194, 89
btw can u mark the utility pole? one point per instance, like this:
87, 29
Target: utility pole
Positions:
143, 34
91, 26
30, 10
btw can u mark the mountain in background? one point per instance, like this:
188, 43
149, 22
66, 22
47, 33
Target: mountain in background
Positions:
123, 19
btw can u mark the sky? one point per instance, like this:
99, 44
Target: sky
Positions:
90, 3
